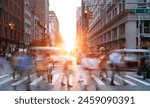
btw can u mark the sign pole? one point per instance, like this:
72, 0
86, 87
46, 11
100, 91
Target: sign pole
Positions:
139, 24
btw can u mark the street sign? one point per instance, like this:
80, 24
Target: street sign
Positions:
144, 11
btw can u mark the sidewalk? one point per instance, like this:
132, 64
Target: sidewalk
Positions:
6, 67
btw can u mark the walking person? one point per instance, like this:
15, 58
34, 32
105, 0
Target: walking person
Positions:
102, 55
66, 73
117, 65
14, 63
1, 63
144, 66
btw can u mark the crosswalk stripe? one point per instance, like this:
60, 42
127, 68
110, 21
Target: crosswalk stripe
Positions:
141, 77
36, 80
70, 80
4, 76
7, 80
109, 79
145, 83
138, 76
55, 77
97, 80
129, 82
21, 81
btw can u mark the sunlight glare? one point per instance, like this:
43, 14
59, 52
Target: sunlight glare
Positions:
69, 45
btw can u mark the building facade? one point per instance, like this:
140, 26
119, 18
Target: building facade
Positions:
42, 12
115, 24
78, 28
39, 29
27, 22
56, 39
11, 24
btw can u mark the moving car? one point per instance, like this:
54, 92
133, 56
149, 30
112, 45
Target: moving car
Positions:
131, 57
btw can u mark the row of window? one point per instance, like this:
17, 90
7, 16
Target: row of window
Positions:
14, 7
11, 34
8, 18
144, 26
112, 35
112, 14
113, 45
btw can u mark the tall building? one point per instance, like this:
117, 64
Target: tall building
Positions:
27, 22
11, 24
78, 28
56, 39
116, 24
42, 12
84, 27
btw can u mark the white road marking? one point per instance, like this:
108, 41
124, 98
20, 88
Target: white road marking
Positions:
55, 77
145, 83
20, 81
7, 80
70, 80
97, 80
129, 82
138, 76
36, 80
4, 76
141, 77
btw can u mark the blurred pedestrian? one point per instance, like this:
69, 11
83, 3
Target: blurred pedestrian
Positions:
117, 65
1, 63
102, 55
8, 56
25, 64
80, 55
14, 63
144, 66
66, 72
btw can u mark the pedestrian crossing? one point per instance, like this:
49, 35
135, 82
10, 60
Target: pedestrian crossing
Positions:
132, 80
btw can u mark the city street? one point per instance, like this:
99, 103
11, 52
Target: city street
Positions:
80, 79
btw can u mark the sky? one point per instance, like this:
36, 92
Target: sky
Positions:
66, 13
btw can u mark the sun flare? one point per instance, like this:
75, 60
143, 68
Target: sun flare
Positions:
69, 45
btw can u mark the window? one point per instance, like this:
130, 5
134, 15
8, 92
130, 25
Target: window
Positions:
1, 14
109, 16
142, 4
146, 26
122, 30
109, 36
6, 32
114, 33
0, 30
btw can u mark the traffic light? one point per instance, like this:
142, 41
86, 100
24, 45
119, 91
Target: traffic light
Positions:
11, 26
87, 14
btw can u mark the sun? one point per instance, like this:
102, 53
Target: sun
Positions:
69, 45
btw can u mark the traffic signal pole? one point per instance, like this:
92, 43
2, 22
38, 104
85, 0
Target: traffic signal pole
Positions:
139, 25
